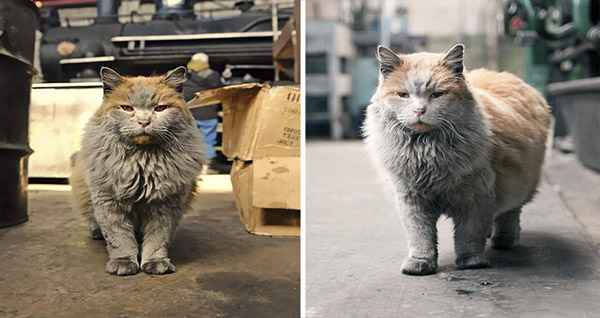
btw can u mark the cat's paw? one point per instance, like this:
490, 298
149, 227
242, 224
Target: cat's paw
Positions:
471, 262
122, 266
158, 266
503, 242
419, 266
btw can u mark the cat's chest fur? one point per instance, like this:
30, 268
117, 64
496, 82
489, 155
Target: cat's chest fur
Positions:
142, 175
150, 175
430, 167
439, 178
133, 174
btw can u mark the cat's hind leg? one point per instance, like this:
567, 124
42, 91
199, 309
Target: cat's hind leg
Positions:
95, 231
507, 230
82, 199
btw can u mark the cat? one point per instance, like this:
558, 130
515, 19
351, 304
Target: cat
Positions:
468, 145
135, 174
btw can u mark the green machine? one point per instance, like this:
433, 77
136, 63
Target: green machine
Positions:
562, 40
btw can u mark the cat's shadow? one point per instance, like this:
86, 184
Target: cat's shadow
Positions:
206, 237
197, 243
211, 238
540, 254
189, 247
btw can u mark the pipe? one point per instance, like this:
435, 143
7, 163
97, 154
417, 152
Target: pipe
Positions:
108, 11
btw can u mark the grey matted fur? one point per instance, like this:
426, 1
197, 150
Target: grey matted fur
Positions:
136, 172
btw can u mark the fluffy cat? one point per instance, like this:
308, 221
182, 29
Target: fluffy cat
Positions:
469, 145
135, 174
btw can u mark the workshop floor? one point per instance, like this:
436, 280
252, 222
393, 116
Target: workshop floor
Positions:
355, 245
50, 268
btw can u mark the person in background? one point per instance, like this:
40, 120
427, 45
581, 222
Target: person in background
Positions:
201, 77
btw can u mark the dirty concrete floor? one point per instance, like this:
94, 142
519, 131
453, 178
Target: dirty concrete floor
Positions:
50, 268
355, 245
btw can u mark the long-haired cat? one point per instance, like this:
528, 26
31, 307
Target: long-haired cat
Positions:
468, 145
135, 174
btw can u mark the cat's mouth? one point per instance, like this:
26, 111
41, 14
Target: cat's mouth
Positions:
420, 127
142, 139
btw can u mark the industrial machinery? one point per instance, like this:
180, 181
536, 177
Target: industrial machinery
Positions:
563, 62
148, 43
18, 22
563, 38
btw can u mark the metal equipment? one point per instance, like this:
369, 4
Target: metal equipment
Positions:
18, 22
153, 43
563, 48
563, 38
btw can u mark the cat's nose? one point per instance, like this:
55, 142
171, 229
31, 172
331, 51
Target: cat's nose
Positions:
420, 111
144, 123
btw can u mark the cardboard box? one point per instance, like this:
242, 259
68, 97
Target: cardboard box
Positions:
258, 120
261, 134
267, 193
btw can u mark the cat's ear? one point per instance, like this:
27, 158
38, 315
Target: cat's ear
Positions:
110, 79
175, 78
388, 60
454, 59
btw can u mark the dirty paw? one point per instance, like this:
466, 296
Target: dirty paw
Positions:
419, 266
122, 267
158, 266
471, 262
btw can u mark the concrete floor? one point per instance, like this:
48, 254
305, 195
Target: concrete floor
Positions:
355, 245
50, 268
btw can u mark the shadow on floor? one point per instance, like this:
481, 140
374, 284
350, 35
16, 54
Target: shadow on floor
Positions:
52, 268
542, 254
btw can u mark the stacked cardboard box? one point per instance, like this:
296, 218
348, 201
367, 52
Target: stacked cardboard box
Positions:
261, 134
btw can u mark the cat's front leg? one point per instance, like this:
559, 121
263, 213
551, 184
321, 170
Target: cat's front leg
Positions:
158, 226
119, 234
471, 229
421, 234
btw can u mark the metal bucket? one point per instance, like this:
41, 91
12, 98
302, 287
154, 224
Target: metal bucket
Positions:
18, 22
579, 102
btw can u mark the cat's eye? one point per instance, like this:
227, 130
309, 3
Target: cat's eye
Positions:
127, 108
403, 94
160, 108
437, 94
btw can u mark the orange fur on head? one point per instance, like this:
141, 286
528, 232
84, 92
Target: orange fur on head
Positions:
120, 94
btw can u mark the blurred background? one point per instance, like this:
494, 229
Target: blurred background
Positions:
549, 43
354, 239
76, 36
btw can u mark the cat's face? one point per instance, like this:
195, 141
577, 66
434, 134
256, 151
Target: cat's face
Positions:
424, 91
145, 110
